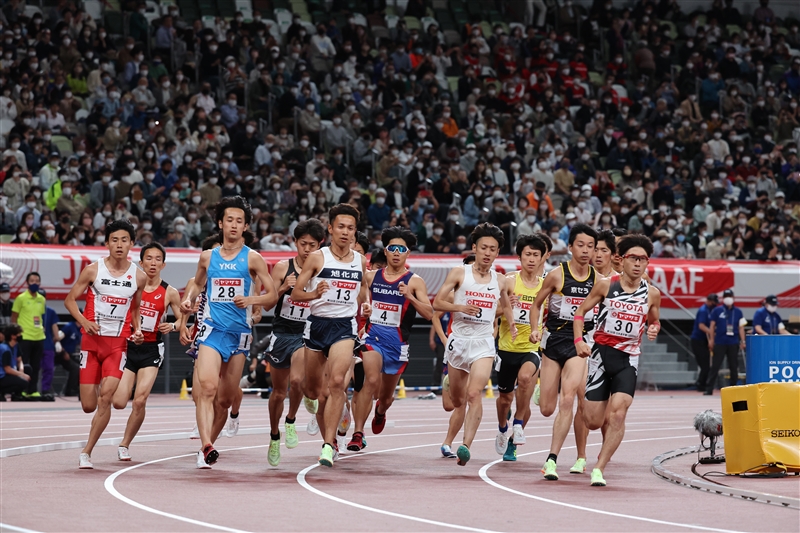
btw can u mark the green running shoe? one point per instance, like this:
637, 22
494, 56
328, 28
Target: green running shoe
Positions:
326, 455
310, 405
463, 455
274, 454
597, 478
537, 392
511, 451
446, 383
549, 470
579, 467
291, 436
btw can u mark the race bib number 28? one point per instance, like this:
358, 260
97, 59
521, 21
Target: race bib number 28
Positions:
226, 289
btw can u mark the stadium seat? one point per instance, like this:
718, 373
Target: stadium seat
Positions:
63, 144
413, 23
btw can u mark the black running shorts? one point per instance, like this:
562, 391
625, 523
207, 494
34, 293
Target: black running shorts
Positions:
610, 371
509, 365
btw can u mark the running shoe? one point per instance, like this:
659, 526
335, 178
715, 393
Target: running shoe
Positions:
579, 467
310, 405
313, 427
85, 462
326, 455
536, 393
291, 436
232, 427
446, 383
34, 397
122, 454
378, 421
357, 443
501, 441
244, 383
201, 462
549, 470
597, 478
210, 455
274, 454
519, 435
340, 443
463, 455
447, 453
195, 434
511, 451
344, 421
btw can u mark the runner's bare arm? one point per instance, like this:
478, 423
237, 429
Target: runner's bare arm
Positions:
508, 310
366, 305
255, 316
437, 321
596, 296
199, 281
174, 303
311, 267
363, 294
454, 280
79, 289
654, 313
260, 273
551, 282
417, 293
136, 321
278, 273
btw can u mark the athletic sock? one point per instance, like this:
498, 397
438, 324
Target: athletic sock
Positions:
503, 429
275, 436
517, 422
235, 415
289, 420
552, 457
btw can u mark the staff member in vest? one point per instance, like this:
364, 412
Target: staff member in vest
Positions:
700, 339
28, 311
727, 336
12, 379
767, 321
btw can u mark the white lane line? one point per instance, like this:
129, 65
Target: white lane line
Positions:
484, 476
15, 528
301, 479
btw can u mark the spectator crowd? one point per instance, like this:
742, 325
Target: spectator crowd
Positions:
680, 126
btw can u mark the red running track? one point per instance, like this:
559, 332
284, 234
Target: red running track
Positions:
399, 483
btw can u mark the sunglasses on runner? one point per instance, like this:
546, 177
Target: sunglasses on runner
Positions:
397, 248
636, 258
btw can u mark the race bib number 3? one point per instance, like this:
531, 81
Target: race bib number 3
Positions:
149, 317
569, 304
226, 289
291, 310
485, 313
386, 314
522, 313
623, 324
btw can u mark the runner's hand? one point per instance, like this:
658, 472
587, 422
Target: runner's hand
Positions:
583, 349
471, 310
366, 310
92, 328
514, 299
187, 307
652, 332
513, 330
322, 288
186, 336
289, 282
536, 336
256, 317
137, 337
240, 301
165, 327
403, 288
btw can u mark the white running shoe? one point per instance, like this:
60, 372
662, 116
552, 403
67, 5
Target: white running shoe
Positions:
313, 427
122, 454
85, 462
519, 435
344, 422
244, 383
201, 461
232, 427
311, 405
341, 442
195, 434
501, 442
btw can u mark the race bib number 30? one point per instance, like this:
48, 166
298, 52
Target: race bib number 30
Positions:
569, 304
623, 324
226, 289
149, 317
385, 314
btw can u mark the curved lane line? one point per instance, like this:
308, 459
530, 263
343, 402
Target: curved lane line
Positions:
17, 529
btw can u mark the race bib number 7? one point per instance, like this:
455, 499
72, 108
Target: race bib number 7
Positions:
226, 289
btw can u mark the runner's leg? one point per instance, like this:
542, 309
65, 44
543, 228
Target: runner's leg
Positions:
280, 382
297, 374
362, 405
617, 410
387, 387
340, 358
549, 381
454, 424
581, 431
230, 375
571, 376
479, 374
145, 378
526, 381
206, 382
124, 389
103, 414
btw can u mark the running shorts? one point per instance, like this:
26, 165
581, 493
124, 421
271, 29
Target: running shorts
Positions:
321, 333
282, 347
462, 352
102, 357
508, 367
610, 371
225, 343
144, 355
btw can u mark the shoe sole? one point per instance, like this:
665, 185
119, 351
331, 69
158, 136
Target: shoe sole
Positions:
551, 477
571, 471
463, 457
598, 484
212, 457
292, 445
124, 458
326, 462
86, 467
355, 448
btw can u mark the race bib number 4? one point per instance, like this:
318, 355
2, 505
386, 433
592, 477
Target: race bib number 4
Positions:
386, 314
623, 324
149, 317
569, 304
226, 289
291, 310
522, 313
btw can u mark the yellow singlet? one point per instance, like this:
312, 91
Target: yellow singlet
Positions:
522, 319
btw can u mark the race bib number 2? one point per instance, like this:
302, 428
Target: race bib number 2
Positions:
226, 289
522, 313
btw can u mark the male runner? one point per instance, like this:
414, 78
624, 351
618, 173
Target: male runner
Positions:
470, 349
113, 287
397, 294
565, 288
333, 278
628, 302
518, 360
145, 359
224, 338
285, 351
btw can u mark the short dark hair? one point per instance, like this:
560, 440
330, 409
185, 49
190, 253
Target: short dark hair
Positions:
32, 273
378, 257
150, 246
343, 210
233, 202
123, 224
362, 240
311, 227
632, 241
488, 230
532, 241
468, 260
398, 232
579, 229
548, 242
607, 236
209, 242
619, 232
12, 329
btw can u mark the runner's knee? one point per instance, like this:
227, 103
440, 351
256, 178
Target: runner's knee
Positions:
139, 403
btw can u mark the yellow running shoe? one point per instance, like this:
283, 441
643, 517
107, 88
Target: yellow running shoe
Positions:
597, 478
310, 405
291, 436
274, 454
536, 393
549, 470
326, 455
579, 467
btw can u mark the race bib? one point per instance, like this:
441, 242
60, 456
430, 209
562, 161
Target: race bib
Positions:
84, 358
623, 324
342, 292
112, 307
203, 332
244, 341
291, 310
522, 313
485, 312
226, 289
569, 304
122, 361
386, 314
148, 319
